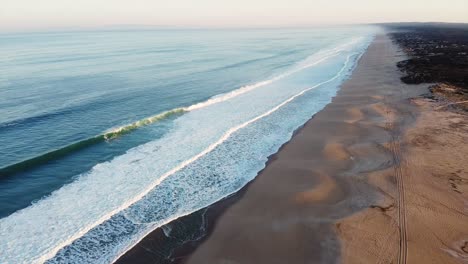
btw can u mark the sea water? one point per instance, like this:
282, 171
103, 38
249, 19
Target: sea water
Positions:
108, 135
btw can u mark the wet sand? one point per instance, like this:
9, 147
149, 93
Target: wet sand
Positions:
377, 176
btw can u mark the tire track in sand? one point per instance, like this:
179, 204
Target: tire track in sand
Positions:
395, 148
396, 152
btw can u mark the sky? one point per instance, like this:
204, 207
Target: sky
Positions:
49, 14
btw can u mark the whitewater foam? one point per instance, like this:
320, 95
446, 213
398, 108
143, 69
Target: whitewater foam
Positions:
113, 133
301, 66
70, 230
220, 141
187, 162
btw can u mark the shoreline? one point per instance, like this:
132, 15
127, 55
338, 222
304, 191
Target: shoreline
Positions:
208, 216
141, 252
350, 186
320, 177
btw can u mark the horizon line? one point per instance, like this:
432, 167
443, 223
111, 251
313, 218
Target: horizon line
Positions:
148, 27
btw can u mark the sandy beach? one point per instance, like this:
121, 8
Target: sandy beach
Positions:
234, 132
378, 176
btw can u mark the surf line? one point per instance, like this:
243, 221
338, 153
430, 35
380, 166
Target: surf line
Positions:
79, 145
126, 129
217, 99
51, 253
221, 140
224, 138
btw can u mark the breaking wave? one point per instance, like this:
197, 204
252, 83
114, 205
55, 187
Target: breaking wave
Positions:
113, 133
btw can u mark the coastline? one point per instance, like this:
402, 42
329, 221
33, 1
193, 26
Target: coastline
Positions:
199, 224
350, 186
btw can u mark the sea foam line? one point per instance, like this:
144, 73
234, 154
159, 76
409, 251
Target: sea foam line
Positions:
125, 129
217, 99
224, 138
224, 97
52, 252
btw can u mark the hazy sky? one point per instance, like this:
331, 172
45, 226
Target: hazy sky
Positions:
40, 14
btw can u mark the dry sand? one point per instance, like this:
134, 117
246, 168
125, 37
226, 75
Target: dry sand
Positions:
375, 177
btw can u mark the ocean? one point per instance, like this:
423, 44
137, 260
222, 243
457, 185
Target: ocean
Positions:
107, 135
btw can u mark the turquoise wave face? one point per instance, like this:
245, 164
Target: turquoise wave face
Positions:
239, 96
